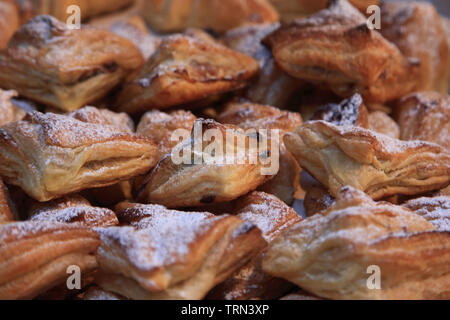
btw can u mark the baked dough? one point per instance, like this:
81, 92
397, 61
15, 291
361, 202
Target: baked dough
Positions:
317, 197
382, 123
50, 155
273, 218
416, 29
203, 181
159, 126
167, 254
184, 70
34, 256
8, 111
436, 210
120, 121
7, 210
425, 116
336, 48
374, 163
72, 209
329, 253
98, 294
9, 21
217, 15
63, 68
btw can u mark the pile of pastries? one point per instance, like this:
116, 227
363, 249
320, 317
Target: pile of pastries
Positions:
87, 181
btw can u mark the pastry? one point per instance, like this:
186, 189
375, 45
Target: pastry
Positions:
217, 15
416, 30
334, 47
7, 209
425, 116
380, 122
436, 210
317, 197
350, 112
197, 172
35, 255
376, 164
184, 70
96, 293
274, 218
167, 254
254, 116
71, 209
8, 111
273, 86
160, 127
121, 121
65, 68
50, 155
331, 254
9, 21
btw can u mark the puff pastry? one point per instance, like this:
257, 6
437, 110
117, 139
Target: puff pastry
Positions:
167, 254
253, 116
72, 209
50, 155
416, 30
9, 21
120, 121
6, 205
98, 294
34, 256
159, 126
328, 254
203, 182
184, 70
374, 163
425, 116
65, 68
336, 48
8, 111
217, 15
317, 197
273, 218
380, 122
436, 210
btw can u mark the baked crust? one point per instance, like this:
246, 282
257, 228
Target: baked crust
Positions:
8, 111
425, 116
65, 68
96, 293
217, 15
35, 256
73, 209
436, 210
50, 155
183, 70
273, 218
167, 254
317, 197
202, 180
9, 21
7, 213
328, 254
380, 122
121, 121
416, 29
336, 48
374, 163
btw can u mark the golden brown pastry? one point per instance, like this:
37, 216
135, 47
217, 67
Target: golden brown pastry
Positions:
317, 197
160, 126
273, 87
350, 112
425, 116
446, 27
167, 254
120, 121
9, 21
380, 122
217, 15
273, 217
374, 163
184, 70
436, 210
35, 255
416, 29
71, 209
8, 111
50, 155
199, 172
63, 68
336, 48
248, 115
330, 254
7, 211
